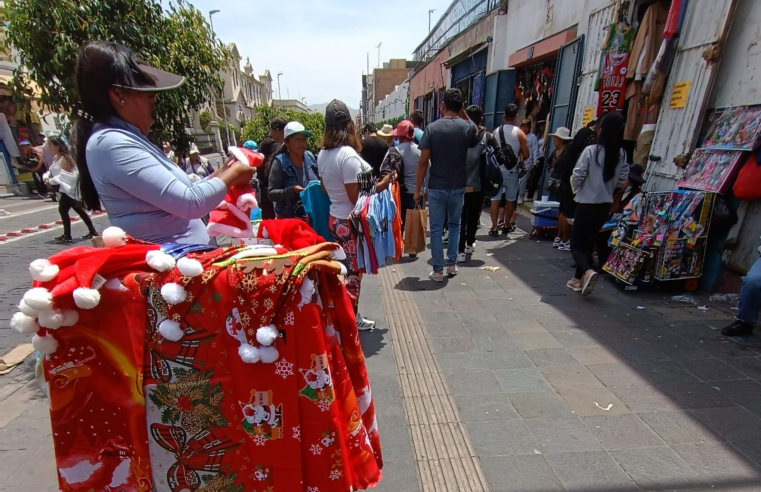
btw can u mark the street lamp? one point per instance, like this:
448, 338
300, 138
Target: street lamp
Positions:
279, 94
304, 100
429, 19
224, 109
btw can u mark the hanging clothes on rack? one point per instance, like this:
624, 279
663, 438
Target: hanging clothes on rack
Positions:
611, 84
317, 207
373, 224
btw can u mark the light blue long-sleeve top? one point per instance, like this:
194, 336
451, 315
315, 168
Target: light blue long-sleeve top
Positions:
145, 193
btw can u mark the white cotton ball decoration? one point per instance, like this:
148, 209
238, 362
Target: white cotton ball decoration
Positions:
45, 345
171, 330
159, 261
70, 317
266, 335
173, 293
268, 355
51, 319
248, 353
307, 291
39, 299
189, 267
86, 298
115, 284
114, 237
24, 308
43, 270
24, 324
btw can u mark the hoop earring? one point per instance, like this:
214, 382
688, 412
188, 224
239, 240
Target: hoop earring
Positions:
121, 101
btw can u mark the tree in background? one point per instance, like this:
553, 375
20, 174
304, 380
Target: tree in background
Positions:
48, 36
259, 127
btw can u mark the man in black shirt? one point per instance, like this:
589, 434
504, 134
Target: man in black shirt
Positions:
374, 148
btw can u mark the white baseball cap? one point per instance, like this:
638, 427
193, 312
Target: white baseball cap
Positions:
295, 127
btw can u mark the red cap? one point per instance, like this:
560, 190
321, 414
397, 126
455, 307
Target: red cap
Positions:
404, 129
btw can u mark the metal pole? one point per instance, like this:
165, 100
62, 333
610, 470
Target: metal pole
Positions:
429, 19
379, 47
279, 94
224, 109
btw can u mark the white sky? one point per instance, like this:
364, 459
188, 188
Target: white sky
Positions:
321, 46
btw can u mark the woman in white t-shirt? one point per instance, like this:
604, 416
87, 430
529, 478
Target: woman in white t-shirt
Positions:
339, 164
63, 172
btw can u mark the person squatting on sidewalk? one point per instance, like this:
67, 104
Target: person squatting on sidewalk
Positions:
445, 143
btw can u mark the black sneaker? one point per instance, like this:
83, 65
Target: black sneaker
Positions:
90, 235
494, 233
63, 239
738, 329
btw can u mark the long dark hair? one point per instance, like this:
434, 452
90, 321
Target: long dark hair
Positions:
63, 148
100, 65
339, 135
269, 148
611, 138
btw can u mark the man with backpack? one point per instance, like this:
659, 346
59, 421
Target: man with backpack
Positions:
484, 178
514, 146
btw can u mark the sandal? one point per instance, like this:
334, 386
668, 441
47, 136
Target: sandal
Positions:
574, 285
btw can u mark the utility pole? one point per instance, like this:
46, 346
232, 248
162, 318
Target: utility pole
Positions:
379, 47
279, 94
224, 109
429, 19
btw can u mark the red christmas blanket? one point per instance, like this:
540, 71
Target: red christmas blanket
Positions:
217, 373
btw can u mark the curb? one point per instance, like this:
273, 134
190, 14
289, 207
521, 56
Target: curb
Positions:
4, 237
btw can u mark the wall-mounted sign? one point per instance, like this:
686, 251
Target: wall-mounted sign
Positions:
680, 95
589, 115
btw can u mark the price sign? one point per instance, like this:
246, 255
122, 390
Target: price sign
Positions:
680, 95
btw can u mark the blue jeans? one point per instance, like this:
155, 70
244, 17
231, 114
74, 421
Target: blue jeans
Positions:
750, 295
444, 205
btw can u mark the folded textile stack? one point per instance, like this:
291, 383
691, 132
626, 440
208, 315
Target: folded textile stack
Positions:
181, 368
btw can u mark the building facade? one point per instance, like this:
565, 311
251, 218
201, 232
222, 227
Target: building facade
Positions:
293, 104
395, 104
243, 91
382, 82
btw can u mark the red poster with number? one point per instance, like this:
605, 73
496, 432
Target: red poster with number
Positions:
612, 89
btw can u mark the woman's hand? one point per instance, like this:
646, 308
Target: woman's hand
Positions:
298, 189
237, 174
386, 181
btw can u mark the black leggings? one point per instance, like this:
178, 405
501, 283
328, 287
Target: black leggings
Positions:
67, 203
590, 217
471, 213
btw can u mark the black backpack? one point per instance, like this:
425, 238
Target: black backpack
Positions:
511, 158
493, 174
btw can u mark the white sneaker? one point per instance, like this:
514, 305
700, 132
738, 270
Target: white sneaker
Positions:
462, 258
445, 237
564, 246
556, 242
469, 250
364, 324
436, 276
451, 270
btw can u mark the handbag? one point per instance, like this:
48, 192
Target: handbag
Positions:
553, 185
748, 183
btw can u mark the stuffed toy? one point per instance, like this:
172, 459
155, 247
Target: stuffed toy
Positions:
232, 216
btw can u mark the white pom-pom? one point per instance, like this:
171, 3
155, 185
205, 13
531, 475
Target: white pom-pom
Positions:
70, 317
171, 330
246, 201
115, 284
43, 270
24, 324
268, 355
46, 345
266, 335
114, 237
159, 261
248, 353
24, 308
173, 293
51, 319
189, 267
39, 299
86, 298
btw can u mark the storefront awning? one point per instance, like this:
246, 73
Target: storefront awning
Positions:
464, 55
545, 48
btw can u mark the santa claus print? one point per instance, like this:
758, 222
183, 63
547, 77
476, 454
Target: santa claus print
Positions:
319, 384
234, 326
262, 418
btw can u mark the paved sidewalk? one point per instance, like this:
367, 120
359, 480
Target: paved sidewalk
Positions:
618, 391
